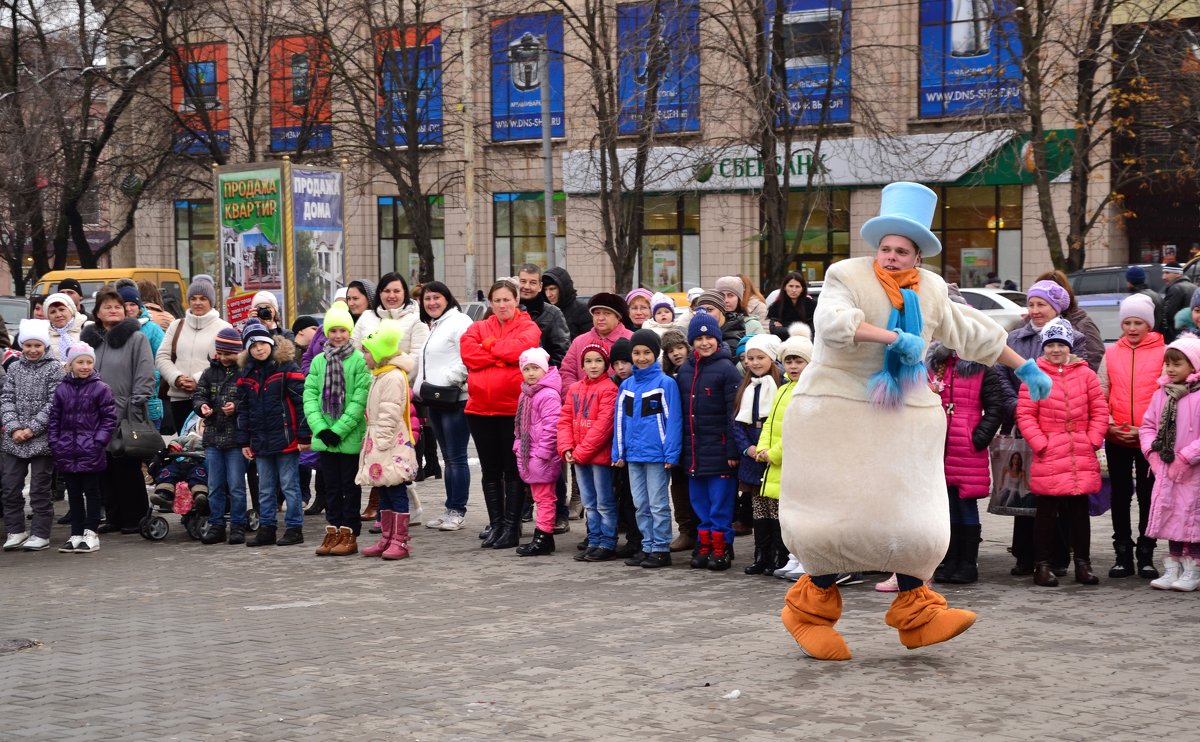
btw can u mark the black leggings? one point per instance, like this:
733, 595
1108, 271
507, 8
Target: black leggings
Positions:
493, 435
1074, 510
1122, 463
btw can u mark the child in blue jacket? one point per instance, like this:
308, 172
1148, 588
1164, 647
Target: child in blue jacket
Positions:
708, 383
647, 438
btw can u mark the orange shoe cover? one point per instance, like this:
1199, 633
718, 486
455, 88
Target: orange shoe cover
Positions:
922, 618
809, 614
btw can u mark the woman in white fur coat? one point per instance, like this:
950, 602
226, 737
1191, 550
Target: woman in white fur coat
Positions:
873, 496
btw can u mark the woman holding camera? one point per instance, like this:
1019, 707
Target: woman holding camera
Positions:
265, 306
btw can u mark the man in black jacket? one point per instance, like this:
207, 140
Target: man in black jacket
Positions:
555, 336
1178, 296
559, 289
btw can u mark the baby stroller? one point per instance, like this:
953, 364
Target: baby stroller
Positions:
181, 480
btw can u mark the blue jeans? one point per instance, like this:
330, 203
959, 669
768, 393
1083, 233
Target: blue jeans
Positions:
713, 498
450, 429
650, 484
595, 489
394, 498
963, 512
226, 481
280, 471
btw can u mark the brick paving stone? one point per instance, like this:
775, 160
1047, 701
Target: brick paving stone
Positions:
175, 640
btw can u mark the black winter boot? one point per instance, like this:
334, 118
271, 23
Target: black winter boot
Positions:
1124, 564
213, 535
510, 525
317, 506
967, 570
493, 498
265, 536
779, 550
949, 563
762, 548
291, 536
1145, 559
542, 544
237, 534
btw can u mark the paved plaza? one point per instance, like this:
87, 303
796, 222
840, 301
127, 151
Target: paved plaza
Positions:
176, 640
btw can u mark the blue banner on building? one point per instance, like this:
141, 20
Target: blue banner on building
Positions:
662, 48
516, 77
816, 50
318, 238
410, 64
969, 57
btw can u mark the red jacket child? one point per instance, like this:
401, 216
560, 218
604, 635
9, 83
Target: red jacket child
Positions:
585, 424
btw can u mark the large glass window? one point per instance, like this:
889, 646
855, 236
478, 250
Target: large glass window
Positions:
823, 240
195, 243
520, 229
980, 230
670, 255
397, 248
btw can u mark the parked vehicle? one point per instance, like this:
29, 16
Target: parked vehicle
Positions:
14, 309
1006, 307
1100, 291
169, 281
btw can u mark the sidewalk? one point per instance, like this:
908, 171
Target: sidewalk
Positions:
176, 640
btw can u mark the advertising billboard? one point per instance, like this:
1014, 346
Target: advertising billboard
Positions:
409, 61
250, 214
318, 238
200, 98
662, 48
969, 57
816, 50
516, 76
301, 115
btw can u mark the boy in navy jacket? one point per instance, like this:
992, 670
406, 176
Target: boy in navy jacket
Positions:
708, 383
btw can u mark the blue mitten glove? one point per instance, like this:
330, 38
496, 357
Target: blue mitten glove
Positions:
1035, 379
910, 347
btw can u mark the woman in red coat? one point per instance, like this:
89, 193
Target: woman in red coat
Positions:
491, 350
1064, 430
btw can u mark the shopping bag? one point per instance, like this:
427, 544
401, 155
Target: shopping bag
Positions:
1011, 458
1101, 502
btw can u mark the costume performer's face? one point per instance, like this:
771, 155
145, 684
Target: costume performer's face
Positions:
897, 253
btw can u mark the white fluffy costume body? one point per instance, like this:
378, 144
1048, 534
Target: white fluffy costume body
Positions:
868, 491
863, 485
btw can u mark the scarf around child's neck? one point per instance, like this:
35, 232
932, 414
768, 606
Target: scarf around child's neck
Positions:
333, 397
760, 392
1164, 442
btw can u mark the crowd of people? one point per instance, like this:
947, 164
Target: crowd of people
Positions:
660, 423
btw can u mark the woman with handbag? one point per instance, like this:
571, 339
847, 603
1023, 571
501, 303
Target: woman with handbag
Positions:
186, 349
124, 362
441, 385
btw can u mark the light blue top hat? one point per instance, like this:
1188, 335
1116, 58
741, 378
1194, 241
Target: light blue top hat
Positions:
906, 209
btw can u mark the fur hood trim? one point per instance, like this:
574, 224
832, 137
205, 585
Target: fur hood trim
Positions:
115, 338
285, 351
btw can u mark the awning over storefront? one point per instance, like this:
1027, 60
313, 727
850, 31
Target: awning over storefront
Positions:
1012, 164
859, 161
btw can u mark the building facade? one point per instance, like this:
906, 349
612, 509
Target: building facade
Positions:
924, 91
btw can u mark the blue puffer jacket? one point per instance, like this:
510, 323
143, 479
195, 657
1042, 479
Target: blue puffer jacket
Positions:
270, 408
647, 421
707, 387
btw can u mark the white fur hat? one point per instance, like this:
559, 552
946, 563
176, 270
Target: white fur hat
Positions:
35, 329
799, 342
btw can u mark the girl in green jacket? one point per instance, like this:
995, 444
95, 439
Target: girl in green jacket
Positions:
335, 398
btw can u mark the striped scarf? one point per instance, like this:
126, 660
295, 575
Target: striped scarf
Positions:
333, 398
1164, 442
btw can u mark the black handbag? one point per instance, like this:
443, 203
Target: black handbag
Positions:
438, 397
135, 440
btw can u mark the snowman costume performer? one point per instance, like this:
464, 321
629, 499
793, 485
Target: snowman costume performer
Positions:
863, 486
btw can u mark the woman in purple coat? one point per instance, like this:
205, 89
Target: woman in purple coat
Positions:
83, 417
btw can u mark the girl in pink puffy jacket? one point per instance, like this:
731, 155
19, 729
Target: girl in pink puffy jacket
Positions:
1170, 438
535, 444
1064, 430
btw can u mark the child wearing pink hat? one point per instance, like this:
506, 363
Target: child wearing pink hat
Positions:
1170, 438
535, 444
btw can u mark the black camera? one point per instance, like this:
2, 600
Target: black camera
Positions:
264, 313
